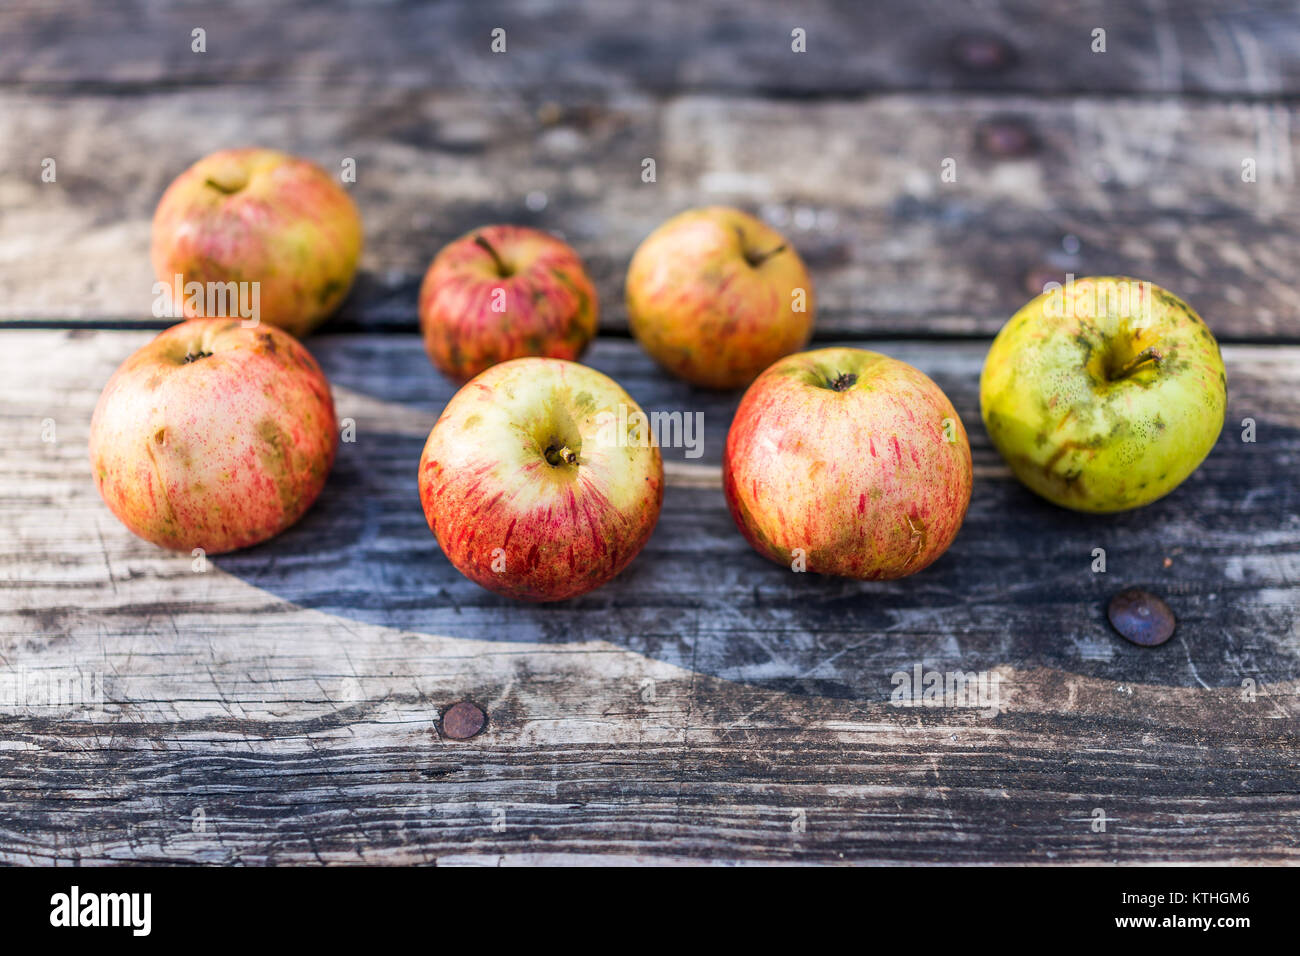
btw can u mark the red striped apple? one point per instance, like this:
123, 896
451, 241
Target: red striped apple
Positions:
847, 462
716, 296
213, 436
278, 227
535, 485
505, 292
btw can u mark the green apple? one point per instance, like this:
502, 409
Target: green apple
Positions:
1104, 394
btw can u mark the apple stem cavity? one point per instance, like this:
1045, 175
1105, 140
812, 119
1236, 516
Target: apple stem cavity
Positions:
195, 356
502, 270
557, 455
1150, 354
842, 382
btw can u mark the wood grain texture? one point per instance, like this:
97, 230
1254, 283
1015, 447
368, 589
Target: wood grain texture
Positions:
281, 705
1146, 188
1159, 46
697, 708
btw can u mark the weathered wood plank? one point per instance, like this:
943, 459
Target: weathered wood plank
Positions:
1192, 46
366, 554
690, 709
1151, 189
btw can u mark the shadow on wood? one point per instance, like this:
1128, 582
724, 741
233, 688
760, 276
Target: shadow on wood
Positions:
1016, 589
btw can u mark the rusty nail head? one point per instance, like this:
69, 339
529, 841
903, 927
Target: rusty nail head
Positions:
462, 720
1141, 617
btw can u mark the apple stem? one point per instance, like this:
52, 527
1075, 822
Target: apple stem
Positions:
562, 455
222, 187
843, 381
487, 247
1150, 354
758, 259
195, 356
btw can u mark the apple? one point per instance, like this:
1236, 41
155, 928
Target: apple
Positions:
715, 297
847, 462
213, 436
535, 483
501, 293
277, 223
1104, 394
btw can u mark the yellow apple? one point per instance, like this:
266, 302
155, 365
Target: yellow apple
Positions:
716, 296
1104, 394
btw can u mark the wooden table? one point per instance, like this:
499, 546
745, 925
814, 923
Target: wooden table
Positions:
282, 706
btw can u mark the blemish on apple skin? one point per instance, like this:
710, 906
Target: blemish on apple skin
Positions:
329, 291
916, 527
275, 457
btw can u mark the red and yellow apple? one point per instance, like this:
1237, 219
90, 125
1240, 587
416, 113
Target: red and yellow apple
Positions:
501, 293
847, 462
1104, 394
213, 436
716, 296
264, 217
533, 484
